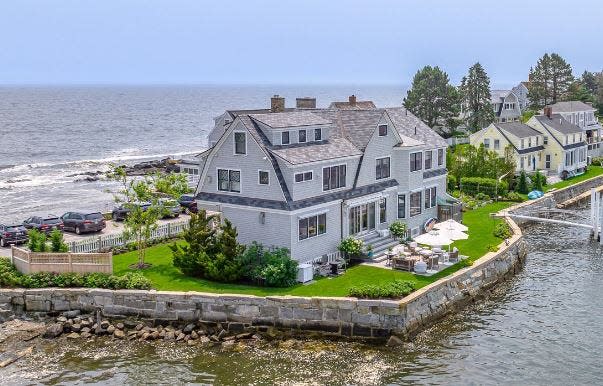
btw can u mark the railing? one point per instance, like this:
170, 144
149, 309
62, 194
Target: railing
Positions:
106, 242
30, 262
331, 258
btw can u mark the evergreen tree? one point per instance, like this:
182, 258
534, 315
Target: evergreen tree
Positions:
589, 80
599, 95
578, 92
549, 80
537, 181
475, 94
432, 98
522, 185
201, 244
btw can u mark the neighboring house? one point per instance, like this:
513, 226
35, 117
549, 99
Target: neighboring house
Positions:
353, 104
191, 168
521, 91
307, 178
582, 115
526, 143
565, 147
506, 105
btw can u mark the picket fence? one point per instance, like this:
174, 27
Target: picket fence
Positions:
106, 242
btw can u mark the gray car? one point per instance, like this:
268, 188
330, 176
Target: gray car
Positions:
83, 222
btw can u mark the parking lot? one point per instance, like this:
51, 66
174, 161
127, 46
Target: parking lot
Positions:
112, 228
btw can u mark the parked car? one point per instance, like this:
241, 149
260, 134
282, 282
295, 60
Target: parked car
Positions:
44, 224
12, 234
83, 221
171, 208
188, 203
120, 213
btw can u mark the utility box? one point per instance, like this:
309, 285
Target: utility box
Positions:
304, 273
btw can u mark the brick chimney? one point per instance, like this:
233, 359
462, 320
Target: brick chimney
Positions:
352, 100
548, 111
305, 103
277, 104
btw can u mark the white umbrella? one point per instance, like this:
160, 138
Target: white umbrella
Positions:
433, 238
453, 234
451, 225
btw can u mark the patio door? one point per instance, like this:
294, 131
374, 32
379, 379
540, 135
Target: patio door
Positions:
362, 218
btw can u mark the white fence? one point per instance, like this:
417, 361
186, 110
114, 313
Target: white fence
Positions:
105, 242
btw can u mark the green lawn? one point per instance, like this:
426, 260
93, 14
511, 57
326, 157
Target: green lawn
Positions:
166, 277
592, 171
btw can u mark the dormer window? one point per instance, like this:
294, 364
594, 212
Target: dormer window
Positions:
302, 136
382, 130
318, 134
240, 143
226, 122
285, 138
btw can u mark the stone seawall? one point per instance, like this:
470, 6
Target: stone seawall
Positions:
336, 316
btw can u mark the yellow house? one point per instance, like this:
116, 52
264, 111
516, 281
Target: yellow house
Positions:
565, 151
527, 144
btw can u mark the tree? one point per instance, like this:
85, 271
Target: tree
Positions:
578, 92
476, 98
471, 161
599, 96
522, 185
432, 98
549, 80
589, 80
538, 181
141, 198
201, 243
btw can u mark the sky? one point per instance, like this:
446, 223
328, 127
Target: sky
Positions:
289, 42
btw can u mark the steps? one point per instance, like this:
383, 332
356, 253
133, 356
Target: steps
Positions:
380, 245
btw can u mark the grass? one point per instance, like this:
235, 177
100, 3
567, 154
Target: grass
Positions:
593, 171
165, 276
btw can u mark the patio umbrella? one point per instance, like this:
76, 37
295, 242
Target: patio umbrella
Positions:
454, 234
451, 225
433, 238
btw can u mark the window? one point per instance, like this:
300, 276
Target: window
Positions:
415, 204
497, 144
522, 144
440, 157
382, 130
530, 142
240, 143
305, 176
545, 140
285, 138
382, 168
318, 134
416, 161
333, 177
430, 197
302, 136
428, 155
401, 205
312, 226
229, 180
487, 143
382, 210
226, 122
263, 177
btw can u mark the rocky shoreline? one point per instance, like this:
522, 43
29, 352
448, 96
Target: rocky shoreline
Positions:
166, 165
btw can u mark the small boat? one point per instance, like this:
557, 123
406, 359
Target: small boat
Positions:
534, 194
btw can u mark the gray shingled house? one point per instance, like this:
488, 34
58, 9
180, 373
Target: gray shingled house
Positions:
305, 178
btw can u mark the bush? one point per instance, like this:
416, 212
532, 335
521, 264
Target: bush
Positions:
394, 289
272, 267
522, 185
488, 186
482, 197
513, 196
597, 161
502, 230
56, 242
351, 246
398, 229
451, 182
37, 241
538, 181
10, 277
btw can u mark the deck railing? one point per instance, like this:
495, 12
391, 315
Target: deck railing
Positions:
31, 262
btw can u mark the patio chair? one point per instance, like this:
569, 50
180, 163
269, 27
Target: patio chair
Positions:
453, 256
403, 264
433, 262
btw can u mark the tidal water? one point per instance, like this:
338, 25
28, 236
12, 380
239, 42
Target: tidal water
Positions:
51, 136
541, 327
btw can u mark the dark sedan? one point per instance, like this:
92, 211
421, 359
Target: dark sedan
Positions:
188, 203
83, 222
121, 212
44, 224
12, 234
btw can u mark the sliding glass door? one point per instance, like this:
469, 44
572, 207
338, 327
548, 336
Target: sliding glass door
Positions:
362, 218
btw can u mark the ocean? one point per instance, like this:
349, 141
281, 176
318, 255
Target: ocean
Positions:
50, 136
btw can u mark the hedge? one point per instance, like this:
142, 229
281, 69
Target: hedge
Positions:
475, 185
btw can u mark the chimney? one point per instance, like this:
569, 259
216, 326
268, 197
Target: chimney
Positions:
305, 103
352, 100
548, 111
277, 104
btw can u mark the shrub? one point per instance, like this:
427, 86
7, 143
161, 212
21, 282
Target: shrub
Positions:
537, 181
56, 242
488, 186
514, 196
451, 182
398, 229
502, 230
272, 267
281, 271
393, 289
37, 241
482, 197
597, 161
351, 246
522, 185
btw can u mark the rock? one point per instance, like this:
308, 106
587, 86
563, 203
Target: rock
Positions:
394, 341
119, 334
189, 328
228, 338
222, 334
85, 329
191, 342
61, 319
155, 335
145, 336
94, 326
256, 337
204, 340
73, 335
180, 337
214, 338
170, 335
120, 326
85, 323
100, 331
77, 320
53, 330
162, 334
228, 343
85, 335
76, 327
139, 327
245, 335
194, 335
110, 329
105, 324
132, 333
71, 314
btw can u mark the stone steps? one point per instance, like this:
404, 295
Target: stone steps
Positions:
6, 313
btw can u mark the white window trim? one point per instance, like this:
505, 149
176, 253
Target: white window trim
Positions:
234, 143
386, 129
425, 159
314, 134
298, 131
426, 188
261, 170
304, 216
406, 198
422, 160
420, 191
229, 191
335, 189
302, 173
390, 168
281, 133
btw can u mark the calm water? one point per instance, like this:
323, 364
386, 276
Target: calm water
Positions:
541, 327
48, 134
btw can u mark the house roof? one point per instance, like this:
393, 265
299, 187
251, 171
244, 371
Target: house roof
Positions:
236, 113
518, 129
558, 123
316, 151
359, 105
290, 119
410, 126
571, 106
497, 96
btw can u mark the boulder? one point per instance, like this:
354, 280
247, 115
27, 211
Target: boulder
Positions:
139, 327
194, 335
76, 327
204, 340
111, 329
191, 342
189, 328
154, 335
119, 334
85, 335
53, 330
73, 335
170, 335
61, 319
71, 314
394, 341
245, 335
180, 337
105, 324
120, 326
85, 329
